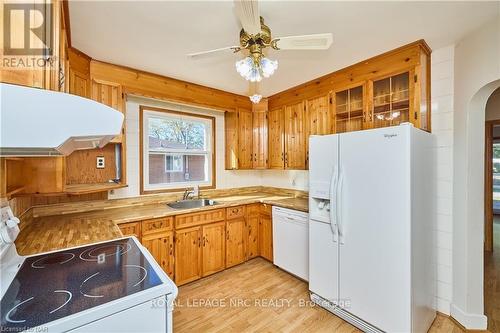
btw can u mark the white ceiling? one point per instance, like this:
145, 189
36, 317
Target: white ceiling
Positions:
156, 36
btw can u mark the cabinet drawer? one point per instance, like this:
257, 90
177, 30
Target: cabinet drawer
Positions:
131, 229
253, 209
157, 225
193, 219
235, 212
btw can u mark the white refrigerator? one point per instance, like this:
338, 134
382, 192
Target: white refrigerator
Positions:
371, 243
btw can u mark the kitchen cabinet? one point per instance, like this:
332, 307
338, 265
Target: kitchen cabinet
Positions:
246, 137
349, 109
235, 236
188, 255
79, 73
295, 137
245, 134
252, 230
110, 94
259, 138
266, 233
161, 247
390, 101
319, 119
231, 140
276, 135
213, 248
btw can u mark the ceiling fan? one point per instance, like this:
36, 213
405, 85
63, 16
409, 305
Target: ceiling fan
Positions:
255, 36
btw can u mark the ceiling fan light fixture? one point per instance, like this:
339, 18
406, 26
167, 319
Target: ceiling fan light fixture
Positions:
244, 66
268, 66
255, 98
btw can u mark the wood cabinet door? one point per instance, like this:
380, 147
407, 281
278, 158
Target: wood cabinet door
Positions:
266, 236
231, 134
79, 83
235, 241
259, 140
213, 248
253, 218
276, 132
295, 138
187, 255
319, 116
161, 247
108, 93
245, 153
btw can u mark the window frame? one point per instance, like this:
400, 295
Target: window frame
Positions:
145, 187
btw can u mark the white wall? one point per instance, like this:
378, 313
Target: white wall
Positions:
493, 106
442, 64
224, 178
477, 69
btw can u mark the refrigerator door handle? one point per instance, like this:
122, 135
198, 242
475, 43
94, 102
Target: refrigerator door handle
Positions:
333, 196
338, 207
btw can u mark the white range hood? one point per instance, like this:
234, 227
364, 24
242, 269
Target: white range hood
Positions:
38, 122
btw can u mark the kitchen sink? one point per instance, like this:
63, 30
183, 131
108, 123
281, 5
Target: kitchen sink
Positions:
186, 204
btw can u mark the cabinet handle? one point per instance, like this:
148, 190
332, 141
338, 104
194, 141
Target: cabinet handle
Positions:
282, 156
204, 240
199, 242
227, 235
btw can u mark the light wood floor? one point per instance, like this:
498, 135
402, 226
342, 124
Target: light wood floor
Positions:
492, 280
234, 302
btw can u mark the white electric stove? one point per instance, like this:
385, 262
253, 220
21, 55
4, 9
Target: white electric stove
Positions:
113, 286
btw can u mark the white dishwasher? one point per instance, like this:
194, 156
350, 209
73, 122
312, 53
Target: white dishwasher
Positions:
291, 241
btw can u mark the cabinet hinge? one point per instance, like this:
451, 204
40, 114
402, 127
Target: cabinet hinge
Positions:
331, 100
123, 95
415, 78
415, 115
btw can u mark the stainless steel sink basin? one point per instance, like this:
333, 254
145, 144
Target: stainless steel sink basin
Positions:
186, 204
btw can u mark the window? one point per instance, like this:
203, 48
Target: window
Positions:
174, 163
177, 150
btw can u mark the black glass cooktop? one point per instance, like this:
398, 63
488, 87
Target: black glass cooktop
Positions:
53, 286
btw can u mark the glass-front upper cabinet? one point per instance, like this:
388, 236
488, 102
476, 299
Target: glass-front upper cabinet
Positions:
349, 113
391, 100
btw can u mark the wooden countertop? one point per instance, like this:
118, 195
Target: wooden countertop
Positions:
48, 233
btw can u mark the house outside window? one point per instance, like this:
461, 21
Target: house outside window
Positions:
177, 150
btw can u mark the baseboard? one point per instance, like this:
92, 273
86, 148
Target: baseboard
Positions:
468, 321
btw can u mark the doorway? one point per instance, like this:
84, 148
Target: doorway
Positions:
492, 213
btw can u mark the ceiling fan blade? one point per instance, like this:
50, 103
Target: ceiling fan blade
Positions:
248, 14
303, 42
199, 54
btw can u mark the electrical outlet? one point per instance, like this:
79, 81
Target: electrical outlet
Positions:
100, 162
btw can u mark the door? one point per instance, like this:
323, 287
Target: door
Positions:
231, 132
161, 247
187, 255
319, 119
252, 227
266, 237
108, 93
276, 139
259, 139
213, 248
245, 153
373, 217
323, 243
295, 137
235, 241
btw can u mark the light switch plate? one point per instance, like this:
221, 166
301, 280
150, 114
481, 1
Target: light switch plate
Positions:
100, 162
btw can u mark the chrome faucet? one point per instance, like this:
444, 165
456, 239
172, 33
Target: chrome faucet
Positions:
195, 193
